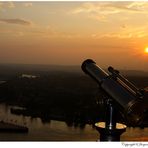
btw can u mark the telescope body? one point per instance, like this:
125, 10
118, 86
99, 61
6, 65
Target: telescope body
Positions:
123, 94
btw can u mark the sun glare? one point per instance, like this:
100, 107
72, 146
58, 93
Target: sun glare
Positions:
146, 50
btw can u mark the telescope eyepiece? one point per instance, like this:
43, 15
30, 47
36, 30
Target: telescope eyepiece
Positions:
112, 70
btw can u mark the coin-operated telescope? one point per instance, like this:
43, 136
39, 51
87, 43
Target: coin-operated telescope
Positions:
122, 96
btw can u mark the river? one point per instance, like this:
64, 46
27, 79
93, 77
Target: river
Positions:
57, 130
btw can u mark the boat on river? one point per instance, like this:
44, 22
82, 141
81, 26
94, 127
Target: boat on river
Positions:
12, 128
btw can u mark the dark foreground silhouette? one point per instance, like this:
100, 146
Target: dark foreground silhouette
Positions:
58, 95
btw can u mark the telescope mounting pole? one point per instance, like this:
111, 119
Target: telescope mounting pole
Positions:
110, 130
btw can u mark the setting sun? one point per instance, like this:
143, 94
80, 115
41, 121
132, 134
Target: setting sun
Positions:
146, 50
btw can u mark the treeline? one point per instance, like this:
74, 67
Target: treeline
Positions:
70, 97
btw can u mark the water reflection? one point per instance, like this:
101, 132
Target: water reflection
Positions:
58, 131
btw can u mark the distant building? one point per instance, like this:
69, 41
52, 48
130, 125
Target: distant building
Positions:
28, 76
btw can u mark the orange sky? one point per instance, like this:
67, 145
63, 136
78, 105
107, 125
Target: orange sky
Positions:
66, 33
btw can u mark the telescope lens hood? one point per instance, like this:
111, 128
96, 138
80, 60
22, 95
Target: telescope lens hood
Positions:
136, 113
85, 63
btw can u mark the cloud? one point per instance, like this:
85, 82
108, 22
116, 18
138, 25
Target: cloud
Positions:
38, 31
16, 21
27, 4
52, 32
102, 10
112, 7
12, 33
129, 32
10, 5
4, 5
138, 6
128, 6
